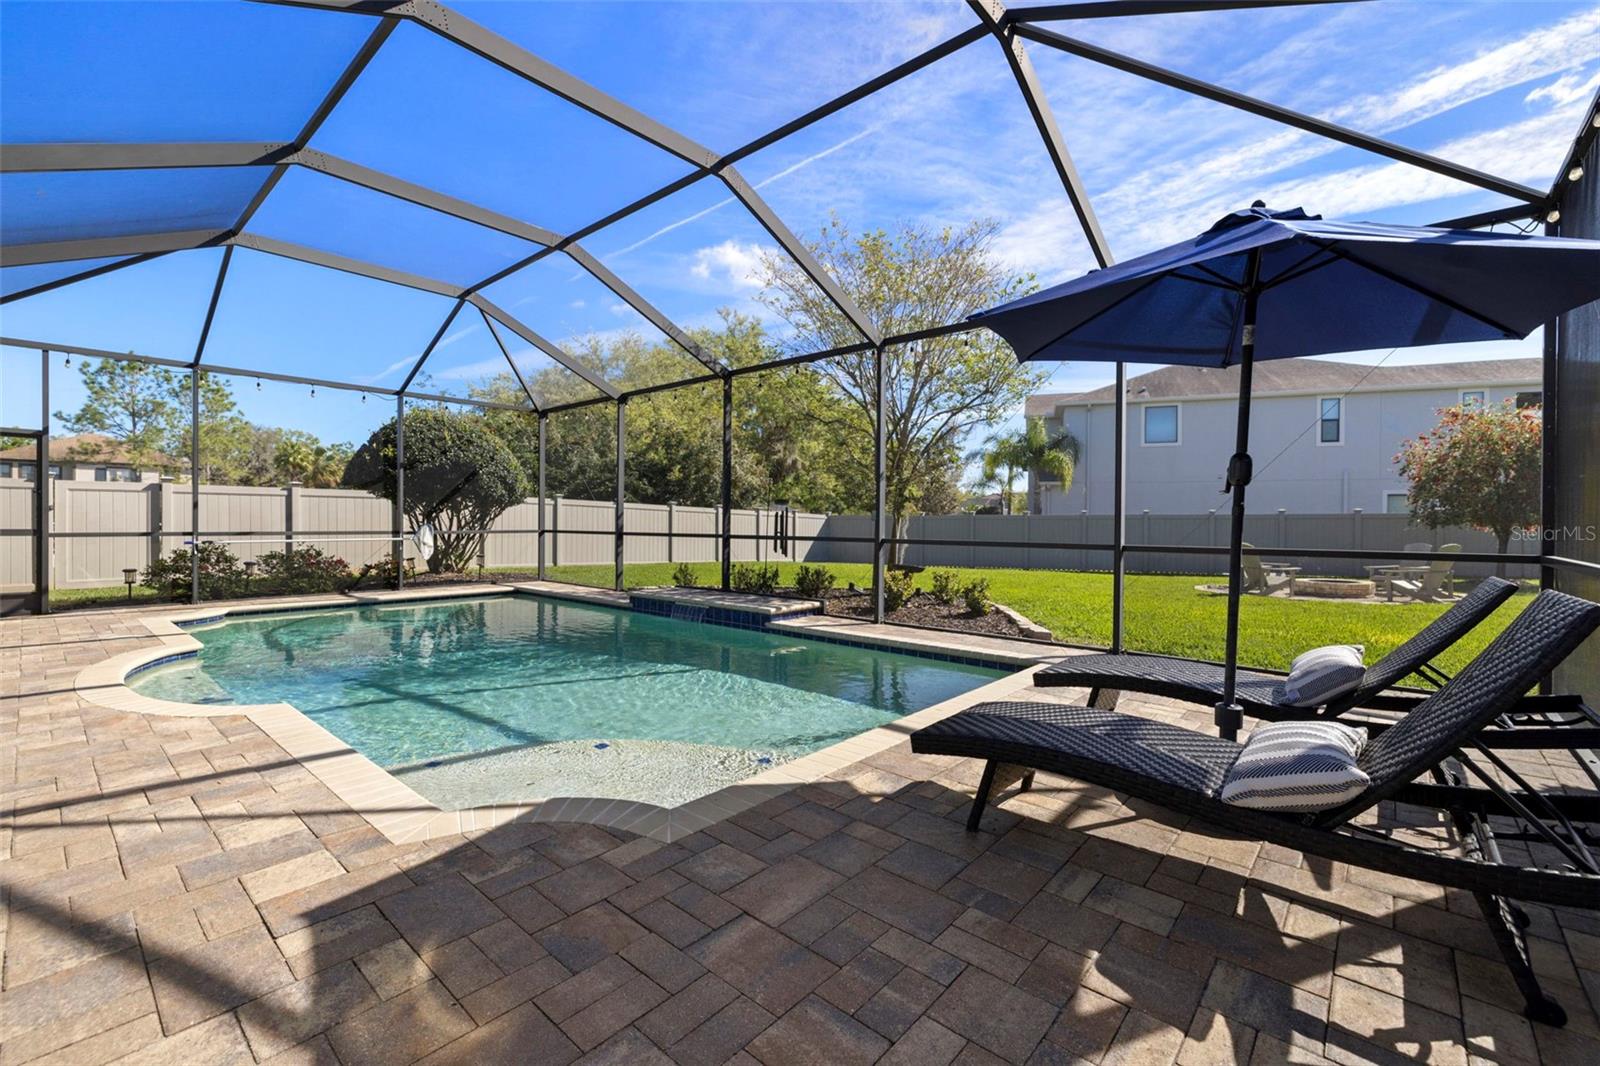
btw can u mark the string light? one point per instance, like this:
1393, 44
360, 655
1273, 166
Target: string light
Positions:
258, 384
313, 392
1576, 173
68, 363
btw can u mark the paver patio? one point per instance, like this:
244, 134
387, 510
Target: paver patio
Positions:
181, 890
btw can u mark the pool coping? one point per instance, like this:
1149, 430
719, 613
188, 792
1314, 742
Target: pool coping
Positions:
402, 815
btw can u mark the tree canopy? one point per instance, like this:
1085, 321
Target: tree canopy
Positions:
145, 409
459, 477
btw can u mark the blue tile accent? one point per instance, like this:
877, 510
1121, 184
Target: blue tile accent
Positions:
164, 660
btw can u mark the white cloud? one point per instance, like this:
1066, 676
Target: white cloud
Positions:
1547, 50
731, 263
1566, 90
578, 305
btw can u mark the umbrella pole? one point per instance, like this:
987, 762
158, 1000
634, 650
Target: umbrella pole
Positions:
1229, 715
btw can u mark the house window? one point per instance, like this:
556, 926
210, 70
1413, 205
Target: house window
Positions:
55, 471
1529, 399
116, 473
5, 469
1396, 503
30, 471
1474, 398
1161, 424
1330, 420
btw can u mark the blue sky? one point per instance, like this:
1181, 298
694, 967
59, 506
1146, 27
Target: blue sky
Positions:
1498, 86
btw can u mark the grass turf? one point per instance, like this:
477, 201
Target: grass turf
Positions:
1163, 613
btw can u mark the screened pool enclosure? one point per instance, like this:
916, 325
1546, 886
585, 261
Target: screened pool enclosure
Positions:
246, 174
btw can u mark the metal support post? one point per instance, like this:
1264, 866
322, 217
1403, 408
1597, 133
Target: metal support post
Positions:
1119, 508
880, 472
194, 485
41, 485
622, 480
727, 482
398, 520
542, 421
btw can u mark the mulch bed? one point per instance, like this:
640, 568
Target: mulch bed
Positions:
923, 610
920, 610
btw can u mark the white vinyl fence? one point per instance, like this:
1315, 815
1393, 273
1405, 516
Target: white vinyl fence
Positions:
103, 528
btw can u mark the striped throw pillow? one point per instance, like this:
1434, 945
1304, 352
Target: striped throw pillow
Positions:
1321, 675
1297, 766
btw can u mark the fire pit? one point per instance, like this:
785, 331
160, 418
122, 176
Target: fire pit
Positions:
1334, 588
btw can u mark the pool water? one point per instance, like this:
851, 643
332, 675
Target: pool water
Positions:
518, 698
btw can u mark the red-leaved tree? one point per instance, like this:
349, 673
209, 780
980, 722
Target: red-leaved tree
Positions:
1478, 467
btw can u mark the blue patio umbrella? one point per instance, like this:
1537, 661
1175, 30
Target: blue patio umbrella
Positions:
1263, 284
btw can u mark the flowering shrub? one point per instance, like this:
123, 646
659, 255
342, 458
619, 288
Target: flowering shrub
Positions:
1480, 467
301, 570
221, 576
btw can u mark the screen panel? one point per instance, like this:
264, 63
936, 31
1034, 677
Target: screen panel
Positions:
152, 308
78, 205
289, 317
474, 130
148, 71
310, 208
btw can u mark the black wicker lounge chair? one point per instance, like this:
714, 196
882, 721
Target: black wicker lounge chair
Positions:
1261, 695
1421, 759
1540, 721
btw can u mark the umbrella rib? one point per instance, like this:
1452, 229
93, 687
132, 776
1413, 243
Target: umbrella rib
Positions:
1118, 302
1289, 273
1429, 293
1223, 281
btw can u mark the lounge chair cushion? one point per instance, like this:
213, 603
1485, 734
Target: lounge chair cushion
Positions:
1298, 766
1321, 675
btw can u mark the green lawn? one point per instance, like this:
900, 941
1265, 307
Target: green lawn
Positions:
1163, 613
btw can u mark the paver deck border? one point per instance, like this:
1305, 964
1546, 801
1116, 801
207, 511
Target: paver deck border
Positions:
404, 816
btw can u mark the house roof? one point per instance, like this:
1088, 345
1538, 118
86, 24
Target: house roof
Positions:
1297, 375
88, 447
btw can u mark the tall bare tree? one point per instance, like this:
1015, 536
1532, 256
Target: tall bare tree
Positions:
936, 391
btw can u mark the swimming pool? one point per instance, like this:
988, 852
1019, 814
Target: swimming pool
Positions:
517, 698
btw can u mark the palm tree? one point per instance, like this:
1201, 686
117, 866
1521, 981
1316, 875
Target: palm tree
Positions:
1048, 454
1001, 463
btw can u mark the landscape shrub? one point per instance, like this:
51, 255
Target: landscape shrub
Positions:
307, 569
898, 586
946, 587
758, 579
976, 595
221, 576
813, 582
685, 577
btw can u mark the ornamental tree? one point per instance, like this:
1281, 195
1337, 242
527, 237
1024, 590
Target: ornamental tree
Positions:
1479, 467
460, 477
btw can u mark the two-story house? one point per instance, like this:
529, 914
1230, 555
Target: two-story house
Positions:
1323, 434
83, 457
